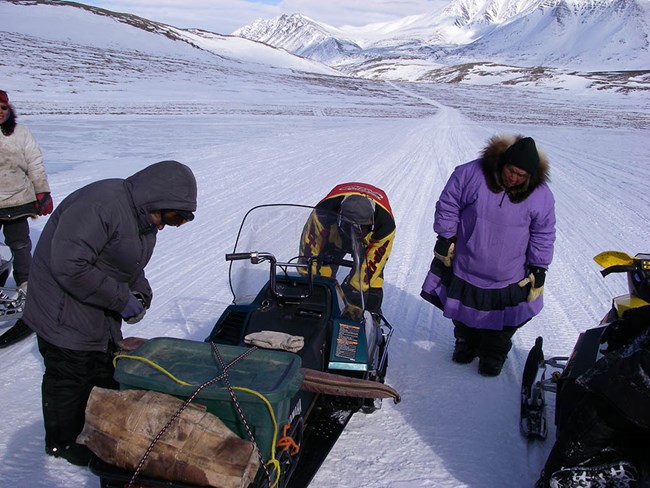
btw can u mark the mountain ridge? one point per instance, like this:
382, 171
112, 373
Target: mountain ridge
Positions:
599, 35
106, 43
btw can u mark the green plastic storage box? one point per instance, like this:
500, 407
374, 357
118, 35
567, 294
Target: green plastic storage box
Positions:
274, 374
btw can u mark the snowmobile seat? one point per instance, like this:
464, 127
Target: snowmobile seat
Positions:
310, 319
585, 353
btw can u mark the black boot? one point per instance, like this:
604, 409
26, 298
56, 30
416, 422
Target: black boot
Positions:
463, 352
491, 365
74, 453
493, 350
467, 341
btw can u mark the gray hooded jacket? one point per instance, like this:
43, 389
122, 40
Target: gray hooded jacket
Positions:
93, 251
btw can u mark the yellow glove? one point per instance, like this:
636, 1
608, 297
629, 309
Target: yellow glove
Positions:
444, 250
536, 280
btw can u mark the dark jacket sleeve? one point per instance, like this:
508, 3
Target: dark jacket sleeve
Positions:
80, 238
141, 285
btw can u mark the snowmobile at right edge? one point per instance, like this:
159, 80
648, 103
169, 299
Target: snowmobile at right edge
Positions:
602, 392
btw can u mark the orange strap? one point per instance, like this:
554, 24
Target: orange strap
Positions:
286, 442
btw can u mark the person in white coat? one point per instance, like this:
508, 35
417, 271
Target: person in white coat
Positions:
24, 192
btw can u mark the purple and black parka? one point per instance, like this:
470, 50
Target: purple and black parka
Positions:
499, 233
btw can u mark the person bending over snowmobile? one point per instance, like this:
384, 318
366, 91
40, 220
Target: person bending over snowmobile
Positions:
365, 220
606, 439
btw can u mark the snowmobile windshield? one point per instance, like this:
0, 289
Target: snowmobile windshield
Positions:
297, 237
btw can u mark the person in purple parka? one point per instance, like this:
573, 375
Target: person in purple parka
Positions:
495, 222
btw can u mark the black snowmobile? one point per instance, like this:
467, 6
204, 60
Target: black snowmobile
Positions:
288, 298
602, 392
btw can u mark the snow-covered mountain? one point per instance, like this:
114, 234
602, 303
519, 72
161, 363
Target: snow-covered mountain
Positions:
486, 43
86, 61
142, 47
302, 36
590, 35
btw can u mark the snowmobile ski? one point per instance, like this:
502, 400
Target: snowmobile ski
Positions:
533, 411
327, 421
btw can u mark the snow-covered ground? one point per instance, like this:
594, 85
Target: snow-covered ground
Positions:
453, 428
266, 136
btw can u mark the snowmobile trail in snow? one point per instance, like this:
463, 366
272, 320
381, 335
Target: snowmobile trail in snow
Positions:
444, 431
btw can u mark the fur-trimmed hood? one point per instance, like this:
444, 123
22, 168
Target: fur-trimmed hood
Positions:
492, 164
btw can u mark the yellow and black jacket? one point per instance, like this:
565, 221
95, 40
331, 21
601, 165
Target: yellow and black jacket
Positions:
319, 235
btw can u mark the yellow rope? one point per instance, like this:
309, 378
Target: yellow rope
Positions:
273, 462
152, 364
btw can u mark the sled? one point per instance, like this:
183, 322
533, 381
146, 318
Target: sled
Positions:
196, 448
291, 335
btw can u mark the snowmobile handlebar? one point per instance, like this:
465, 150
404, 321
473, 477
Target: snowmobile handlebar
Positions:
327, 259
623, 268
254, 256
259, 257
235, 256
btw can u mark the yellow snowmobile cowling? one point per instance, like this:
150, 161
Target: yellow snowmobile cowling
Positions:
638, 275
607, 259
626, 302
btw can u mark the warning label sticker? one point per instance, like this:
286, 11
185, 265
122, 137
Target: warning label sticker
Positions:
347, 341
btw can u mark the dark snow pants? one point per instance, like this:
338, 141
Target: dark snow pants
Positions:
487, 343
373, 297
68, 379
16, 234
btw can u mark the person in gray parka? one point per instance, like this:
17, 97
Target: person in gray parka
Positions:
87, 276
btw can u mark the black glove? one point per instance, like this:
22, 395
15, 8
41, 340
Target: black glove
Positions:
444, 250
535, 278
134, 310
352, 295
374, 299
539, 276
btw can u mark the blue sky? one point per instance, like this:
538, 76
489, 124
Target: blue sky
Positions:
225, 16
